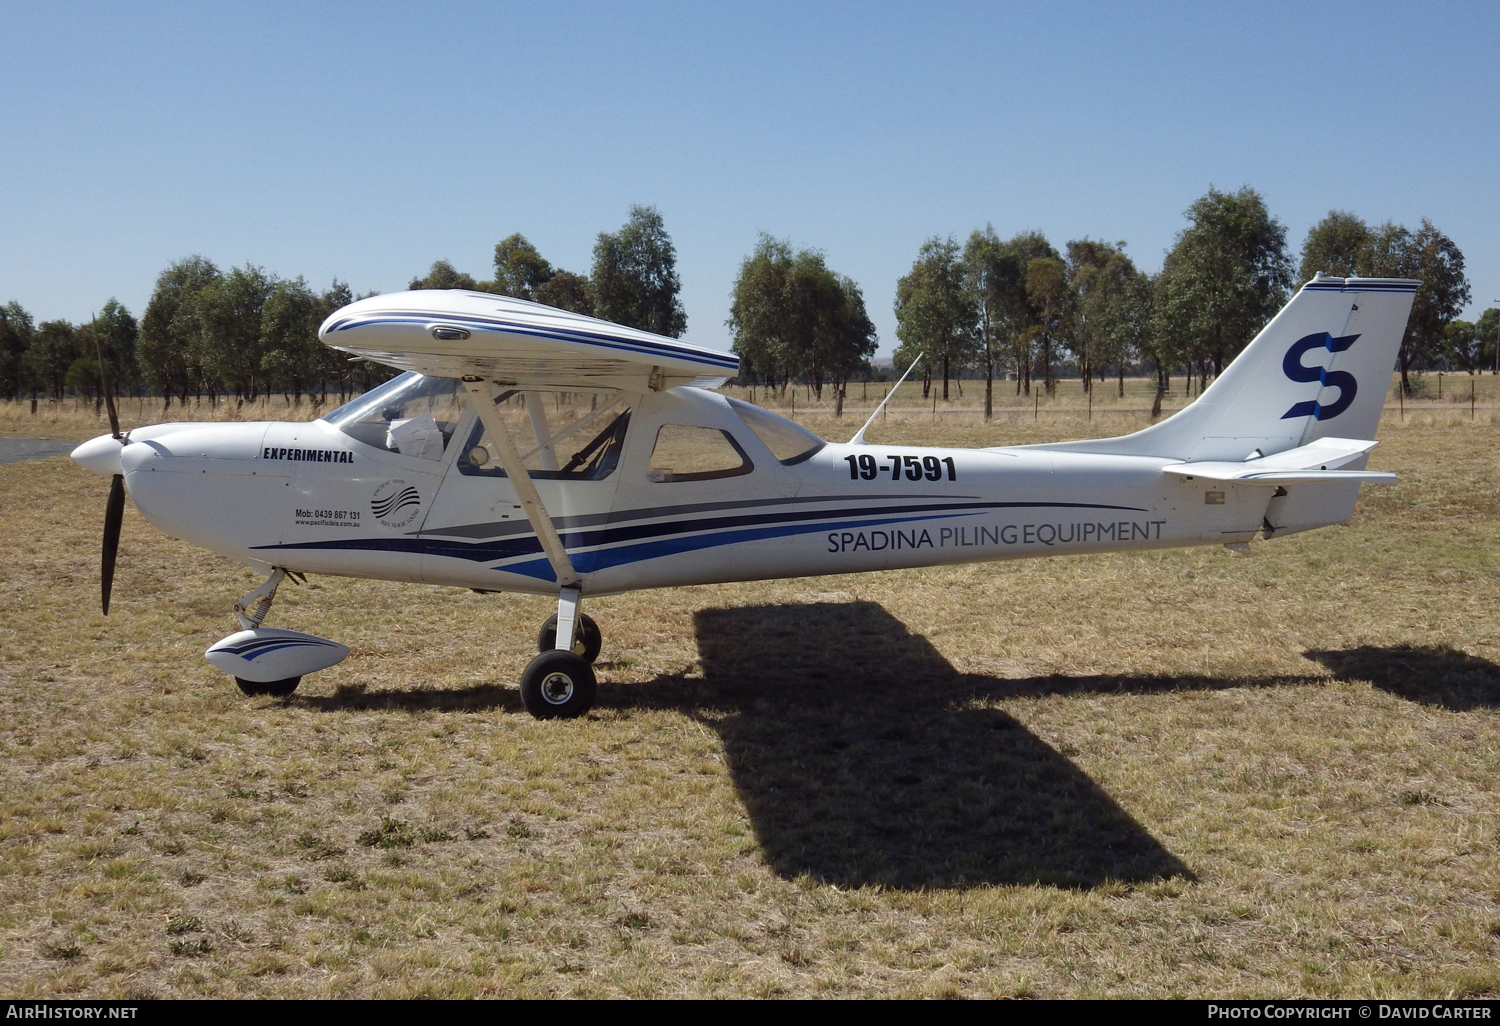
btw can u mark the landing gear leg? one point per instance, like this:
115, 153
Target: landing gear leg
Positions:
560, 683
251, 611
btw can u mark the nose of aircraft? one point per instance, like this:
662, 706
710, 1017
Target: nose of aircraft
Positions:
100, 455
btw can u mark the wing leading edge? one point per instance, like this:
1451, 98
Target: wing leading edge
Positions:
450, 333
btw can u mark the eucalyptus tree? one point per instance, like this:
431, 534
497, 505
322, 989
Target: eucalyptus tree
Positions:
937, 319
519, 269
846, 326
290, 351
443, 275
82, 378
792, 315
1334, 246
1463, 346
1488, 330
566, 291
1433, 258
996, 282
115, 331
169, 348
54, 347
229, 320
634, 279
16, 331
1025, 330
760, 315
330, 365
1102, 279
1225, 277
1050, 298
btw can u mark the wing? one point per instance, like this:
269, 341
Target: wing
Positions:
450, 333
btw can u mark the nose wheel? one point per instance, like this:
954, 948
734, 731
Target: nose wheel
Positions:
559, 684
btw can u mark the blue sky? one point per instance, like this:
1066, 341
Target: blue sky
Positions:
366, 140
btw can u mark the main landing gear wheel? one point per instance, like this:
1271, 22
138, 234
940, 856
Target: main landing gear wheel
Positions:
558, 685
274, 688
587, 641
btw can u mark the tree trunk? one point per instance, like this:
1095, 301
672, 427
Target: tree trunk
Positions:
945, 377
989, 388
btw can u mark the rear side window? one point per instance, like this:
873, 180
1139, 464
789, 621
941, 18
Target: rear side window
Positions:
790, 443
685, 452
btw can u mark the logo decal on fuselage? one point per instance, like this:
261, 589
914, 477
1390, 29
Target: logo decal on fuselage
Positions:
396, 503
1342, 380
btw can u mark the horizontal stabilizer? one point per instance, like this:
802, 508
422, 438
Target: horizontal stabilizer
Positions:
1322, 460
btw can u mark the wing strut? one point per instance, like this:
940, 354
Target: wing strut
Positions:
483, 393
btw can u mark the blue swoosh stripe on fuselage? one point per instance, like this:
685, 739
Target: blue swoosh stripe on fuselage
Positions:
529, 545
610, 536
603, 559
714, 360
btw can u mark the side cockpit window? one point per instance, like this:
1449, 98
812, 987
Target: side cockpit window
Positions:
411, 414
586, 448
790, 443
685, 452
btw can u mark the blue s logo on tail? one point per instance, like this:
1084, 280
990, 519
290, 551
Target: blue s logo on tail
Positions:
1342, 380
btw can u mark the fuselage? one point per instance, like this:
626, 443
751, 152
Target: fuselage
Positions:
337, 497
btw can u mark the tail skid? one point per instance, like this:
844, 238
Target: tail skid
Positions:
1319, 369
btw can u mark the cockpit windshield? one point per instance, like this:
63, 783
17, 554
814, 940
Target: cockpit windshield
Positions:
412, 414
790, 443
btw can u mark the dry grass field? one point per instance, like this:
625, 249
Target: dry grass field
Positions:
1181, 773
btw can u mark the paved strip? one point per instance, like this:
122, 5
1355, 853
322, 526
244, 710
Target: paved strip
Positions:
14, 450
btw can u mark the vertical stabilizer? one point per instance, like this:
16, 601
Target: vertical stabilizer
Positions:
1321, 368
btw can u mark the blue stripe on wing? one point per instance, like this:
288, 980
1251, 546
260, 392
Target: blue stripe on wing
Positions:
716, 360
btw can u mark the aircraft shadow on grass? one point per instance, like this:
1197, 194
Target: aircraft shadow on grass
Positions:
861, 762
359, 698
1434, 675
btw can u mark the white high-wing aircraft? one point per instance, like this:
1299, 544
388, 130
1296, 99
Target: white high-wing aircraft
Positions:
454, 474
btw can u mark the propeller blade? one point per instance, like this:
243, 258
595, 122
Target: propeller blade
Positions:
114, 418
114, 513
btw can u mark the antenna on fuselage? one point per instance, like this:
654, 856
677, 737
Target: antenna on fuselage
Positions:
859, 436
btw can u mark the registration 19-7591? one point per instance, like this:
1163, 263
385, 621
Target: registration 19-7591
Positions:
915, 468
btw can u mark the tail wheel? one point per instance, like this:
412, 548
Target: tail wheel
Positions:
275, 688
558, 685
587, 641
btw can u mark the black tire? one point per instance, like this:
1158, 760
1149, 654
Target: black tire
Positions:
587, 640
275, 688
558, 685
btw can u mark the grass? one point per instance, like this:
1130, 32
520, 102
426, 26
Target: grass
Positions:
1177, 773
